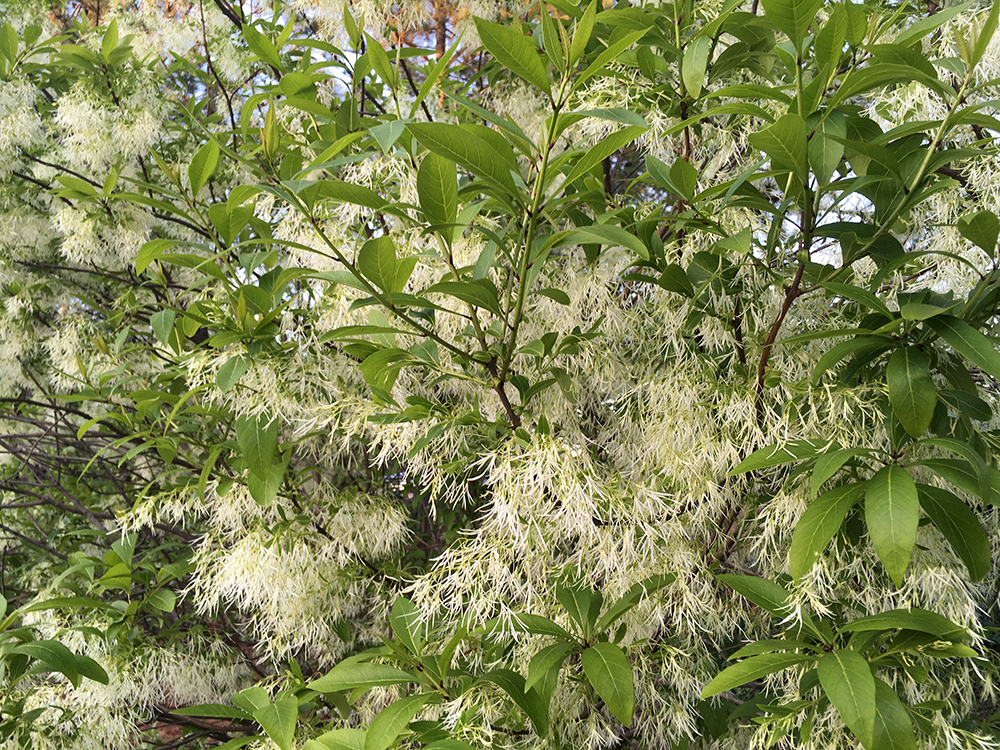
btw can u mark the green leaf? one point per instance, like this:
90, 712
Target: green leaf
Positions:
981, 228
752, 669
829, 464
910, 619
468, 150
604, 234
785, 144
893, 728
53, 655
529, 701
607, 146
90, 669
824, 150
202, 166
818, 525
793, 17
549, 658
110, 40
264, 490
351, 675
515, 51
404, 619
149, 252
252, 699
960, 526
768, 595
278, 719
613, 51
213, 711
609, 671
8, 42
261, 46
782, 453
849, 684
162, 323
257, 438
924, 26
381, 368
437, 187
479, 293
380, 62
828, 45
632, 597
163, 599
769, 646
967, 341
912, 392
581, 34
393, 719
230, 373
378, 263
985, 36
693, 65
577, 598
892, 512
338, 739
538, 625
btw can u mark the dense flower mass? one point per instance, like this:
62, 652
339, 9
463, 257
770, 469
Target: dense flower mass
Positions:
467, 375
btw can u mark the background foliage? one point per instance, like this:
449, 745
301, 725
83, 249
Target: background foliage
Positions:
514, 376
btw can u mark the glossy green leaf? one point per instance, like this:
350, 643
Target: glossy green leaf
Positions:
265, 489
828, 45
752, 669
766, 594
406, 624
529, 701
378, 263
960, 526
818, 525
825, 149
981, 228
162, 323
230, 373
278, 719
467, 150
610, 672
479, 293
351, 675
203, 165
968, 342
912, 392
605, 148
338, 739
515, 51
393, 719
785, 144
581, 33
829, 464
604, 234
437, 187
257, 437
893, 729
550, 657
51, 654
910, 619
793, 17
693, 65
892, 512
163, 599
782, 453
849, 684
